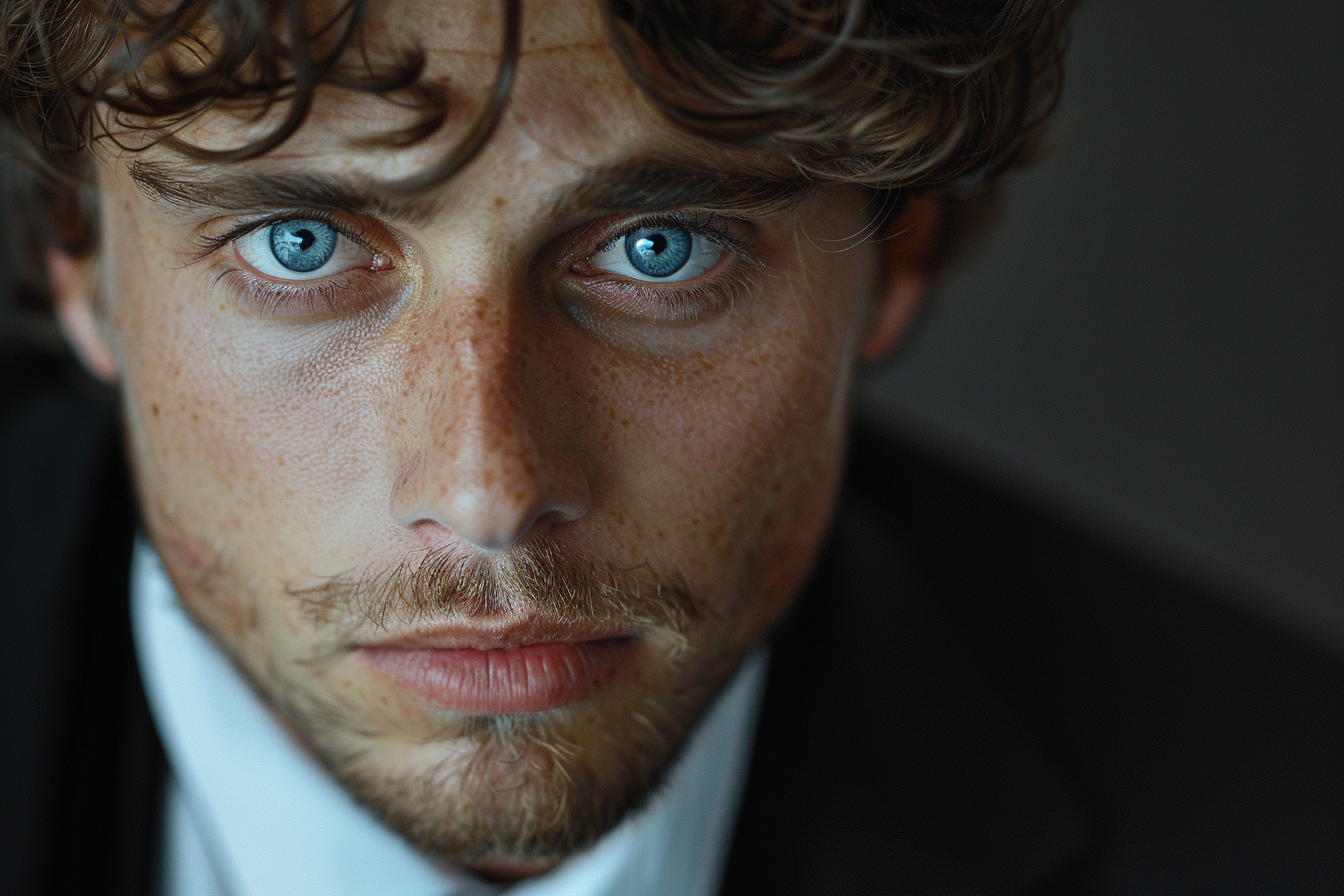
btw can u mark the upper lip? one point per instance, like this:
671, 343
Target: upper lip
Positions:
500, 636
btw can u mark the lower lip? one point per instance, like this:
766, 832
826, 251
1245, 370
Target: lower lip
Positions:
529, 678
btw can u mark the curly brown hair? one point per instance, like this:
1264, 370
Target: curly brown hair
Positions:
891, 94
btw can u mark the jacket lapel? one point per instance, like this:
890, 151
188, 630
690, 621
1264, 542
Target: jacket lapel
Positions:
93, 769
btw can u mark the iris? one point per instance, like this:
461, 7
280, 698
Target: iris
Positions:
658, 251
302, 246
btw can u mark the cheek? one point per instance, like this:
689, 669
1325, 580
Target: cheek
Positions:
248, 452
728, 460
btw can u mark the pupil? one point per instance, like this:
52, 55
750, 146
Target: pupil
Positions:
658, 244
306, 240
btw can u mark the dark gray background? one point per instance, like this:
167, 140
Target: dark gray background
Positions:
1151, 341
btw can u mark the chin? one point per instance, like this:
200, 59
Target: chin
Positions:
491, 788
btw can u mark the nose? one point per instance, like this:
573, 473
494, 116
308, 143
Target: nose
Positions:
486, 458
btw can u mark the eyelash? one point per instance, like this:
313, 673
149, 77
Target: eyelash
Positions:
327, 296
682, 302
710, 226
209, 244
679, 302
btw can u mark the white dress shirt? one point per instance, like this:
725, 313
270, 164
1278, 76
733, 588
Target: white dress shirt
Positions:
250, 814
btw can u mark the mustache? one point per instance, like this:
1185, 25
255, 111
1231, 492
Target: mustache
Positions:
536, 580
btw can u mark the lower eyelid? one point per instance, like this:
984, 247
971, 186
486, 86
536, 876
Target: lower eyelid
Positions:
346, 293
634, 300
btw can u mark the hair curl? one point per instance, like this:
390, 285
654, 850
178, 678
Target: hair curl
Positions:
890, 94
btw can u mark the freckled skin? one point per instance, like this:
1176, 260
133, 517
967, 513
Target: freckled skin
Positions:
470, 409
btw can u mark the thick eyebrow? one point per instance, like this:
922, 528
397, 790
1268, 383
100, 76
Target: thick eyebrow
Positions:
191, 187
637, 186
642, 186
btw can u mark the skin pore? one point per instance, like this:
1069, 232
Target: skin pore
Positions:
482, 419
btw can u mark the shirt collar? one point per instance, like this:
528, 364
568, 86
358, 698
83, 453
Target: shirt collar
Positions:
274, 822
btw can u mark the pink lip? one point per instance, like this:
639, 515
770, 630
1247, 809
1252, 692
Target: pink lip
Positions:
521, 669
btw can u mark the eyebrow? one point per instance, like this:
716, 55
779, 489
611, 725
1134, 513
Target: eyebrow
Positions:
190, 187
634, 186
653, 185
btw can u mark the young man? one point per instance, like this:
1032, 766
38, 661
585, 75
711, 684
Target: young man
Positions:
484, 376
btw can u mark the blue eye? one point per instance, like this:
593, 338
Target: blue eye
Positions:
301, 249
302, 246
659, 254
658, 251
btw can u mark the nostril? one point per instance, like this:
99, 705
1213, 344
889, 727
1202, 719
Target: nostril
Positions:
482, 534
557, 516
478, 491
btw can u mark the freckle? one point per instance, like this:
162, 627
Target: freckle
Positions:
499, 201
154, 409
625, 421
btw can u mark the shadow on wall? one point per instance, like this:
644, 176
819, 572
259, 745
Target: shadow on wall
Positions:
1152, 340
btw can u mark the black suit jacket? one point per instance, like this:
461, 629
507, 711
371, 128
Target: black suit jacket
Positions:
970, 696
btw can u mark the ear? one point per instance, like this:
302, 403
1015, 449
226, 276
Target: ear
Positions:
907, 245
74, 287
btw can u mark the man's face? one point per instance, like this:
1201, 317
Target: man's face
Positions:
488, 490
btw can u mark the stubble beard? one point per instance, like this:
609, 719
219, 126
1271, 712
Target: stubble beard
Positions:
503, 787
468, 787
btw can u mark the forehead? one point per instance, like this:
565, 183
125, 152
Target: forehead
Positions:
570, 100
474, 27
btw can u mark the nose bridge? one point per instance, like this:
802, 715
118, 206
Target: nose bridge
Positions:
483, 469
480, 421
